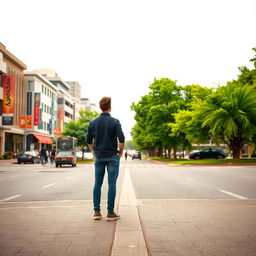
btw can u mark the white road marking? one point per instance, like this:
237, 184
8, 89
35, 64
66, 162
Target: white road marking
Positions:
10, 198
232, 194
49, 185
69, 178
190, 179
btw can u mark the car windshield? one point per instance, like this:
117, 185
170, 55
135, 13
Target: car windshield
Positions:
64, 154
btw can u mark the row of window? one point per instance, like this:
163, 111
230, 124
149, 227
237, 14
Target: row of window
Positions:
47, 92
44, 126
46, 109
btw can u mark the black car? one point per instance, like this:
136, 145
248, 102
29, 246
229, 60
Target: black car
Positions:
28, 157
207, 153
136, 155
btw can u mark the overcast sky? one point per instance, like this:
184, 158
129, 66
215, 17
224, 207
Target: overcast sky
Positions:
116, 48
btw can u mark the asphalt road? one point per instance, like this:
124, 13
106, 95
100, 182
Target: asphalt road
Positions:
150, 181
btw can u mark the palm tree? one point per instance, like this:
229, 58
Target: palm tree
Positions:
230, 114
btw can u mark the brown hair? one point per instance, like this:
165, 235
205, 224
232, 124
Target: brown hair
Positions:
105, 103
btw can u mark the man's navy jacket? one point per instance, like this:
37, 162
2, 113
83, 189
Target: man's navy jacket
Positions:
103, 131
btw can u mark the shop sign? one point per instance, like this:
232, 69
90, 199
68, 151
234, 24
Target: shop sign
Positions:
22, 122
8, 100
37, 102
29, 122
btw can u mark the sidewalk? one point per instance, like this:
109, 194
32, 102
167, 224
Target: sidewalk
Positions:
170, 227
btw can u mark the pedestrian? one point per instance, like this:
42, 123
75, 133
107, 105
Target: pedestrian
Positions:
52, 156
43, 155
102, 136
47, 156
125, 155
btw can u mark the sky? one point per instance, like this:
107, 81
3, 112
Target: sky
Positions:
116, 48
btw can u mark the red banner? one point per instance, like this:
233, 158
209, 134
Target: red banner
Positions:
8, 100
61, 120
29, 122
22, 122
37, 100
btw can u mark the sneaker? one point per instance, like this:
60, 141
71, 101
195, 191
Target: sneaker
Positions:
112, 216
97, 215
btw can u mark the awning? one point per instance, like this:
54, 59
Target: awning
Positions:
43, 139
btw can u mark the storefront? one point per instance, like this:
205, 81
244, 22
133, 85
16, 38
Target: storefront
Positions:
37, 141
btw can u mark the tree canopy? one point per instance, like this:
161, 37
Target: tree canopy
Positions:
172, 116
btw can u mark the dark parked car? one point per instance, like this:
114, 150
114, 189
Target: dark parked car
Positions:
28, 157
136, 155
207, 153
65, 157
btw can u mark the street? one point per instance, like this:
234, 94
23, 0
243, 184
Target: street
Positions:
28, 182
165, 210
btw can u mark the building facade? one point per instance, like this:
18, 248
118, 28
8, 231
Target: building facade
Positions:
40, 111
65, 104
12, 101
75, 91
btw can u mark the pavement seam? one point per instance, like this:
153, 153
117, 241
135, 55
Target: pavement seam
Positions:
129, 236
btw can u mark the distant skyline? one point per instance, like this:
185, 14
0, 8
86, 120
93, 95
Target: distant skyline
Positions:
116, 48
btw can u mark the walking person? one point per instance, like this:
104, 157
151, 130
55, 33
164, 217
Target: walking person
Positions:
52, 156
102, 136
125, 155
43, 155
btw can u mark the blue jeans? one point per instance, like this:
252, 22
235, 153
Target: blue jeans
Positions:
112, 164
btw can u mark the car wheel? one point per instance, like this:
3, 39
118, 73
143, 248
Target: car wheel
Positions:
33, 161
56, 165
18, 162
197, 157
60, 165
220, 157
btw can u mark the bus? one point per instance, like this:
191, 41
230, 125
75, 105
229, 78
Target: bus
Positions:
65, 151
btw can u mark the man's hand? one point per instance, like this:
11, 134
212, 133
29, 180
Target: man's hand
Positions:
121, 149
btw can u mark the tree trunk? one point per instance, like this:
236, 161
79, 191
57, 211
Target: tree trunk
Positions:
169, 153
236, 145
174, 152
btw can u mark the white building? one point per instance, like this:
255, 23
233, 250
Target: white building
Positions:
85, 104
65, 104
40, 111
75, 90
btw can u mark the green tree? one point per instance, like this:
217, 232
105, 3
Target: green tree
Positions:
153, 113
230, 115
79, 129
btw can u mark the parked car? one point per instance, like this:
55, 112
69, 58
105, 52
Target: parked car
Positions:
88, 155
65, 157
79, 154
137, 155
28, 157
208, 153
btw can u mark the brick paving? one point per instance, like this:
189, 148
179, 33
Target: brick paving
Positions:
53, 228
170, 227
199, 227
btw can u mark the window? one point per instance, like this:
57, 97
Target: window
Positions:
60, 101
48, 92
42, 88
30, 85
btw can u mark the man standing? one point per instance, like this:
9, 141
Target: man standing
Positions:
43, 155
102, 136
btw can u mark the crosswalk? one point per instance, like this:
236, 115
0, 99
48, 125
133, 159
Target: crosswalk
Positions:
144, 165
